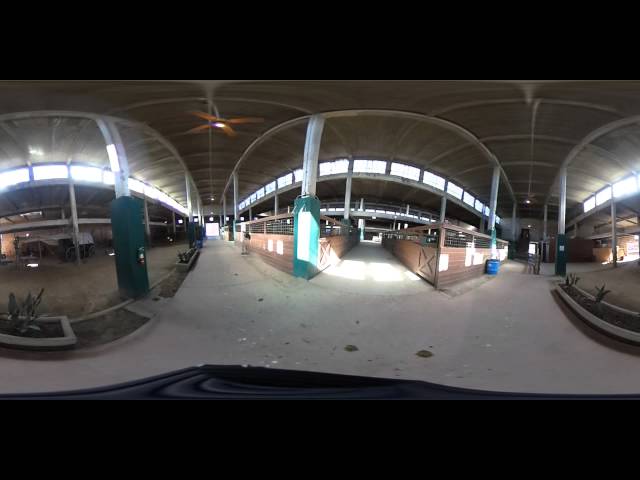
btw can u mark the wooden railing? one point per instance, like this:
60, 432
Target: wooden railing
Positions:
271, 238
336, 239
443, 254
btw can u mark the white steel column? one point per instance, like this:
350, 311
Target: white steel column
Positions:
235, 197
147, 227
347, 191
614, 240
74, 219
224, 212
276, 207
117, 156
362, 204
311, 153
562, 208
189, 204
544, 224
408, 209
443, 207
493, 202
513, 223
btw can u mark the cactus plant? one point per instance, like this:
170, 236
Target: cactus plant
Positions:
571, 279
185, 257
22, 316
601, 293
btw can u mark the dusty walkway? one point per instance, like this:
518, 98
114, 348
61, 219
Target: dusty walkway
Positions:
507, 334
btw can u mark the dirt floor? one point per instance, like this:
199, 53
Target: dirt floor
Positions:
79, 290
107, 328
623, 282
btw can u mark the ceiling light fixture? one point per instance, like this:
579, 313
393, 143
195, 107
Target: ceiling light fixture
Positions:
219, 124
36, 151
527, 201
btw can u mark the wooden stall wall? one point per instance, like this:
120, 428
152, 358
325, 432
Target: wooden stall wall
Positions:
578, 250
419, 259
459, 264
331, 249
441, 264
276, 250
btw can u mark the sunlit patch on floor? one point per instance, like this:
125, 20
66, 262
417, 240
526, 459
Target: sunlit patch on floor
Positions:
375, 271
411, 276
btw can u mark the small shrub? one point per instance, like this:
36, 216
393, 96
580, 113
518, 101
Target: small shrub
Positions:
22, 317
571, 279
601, 293
184, 257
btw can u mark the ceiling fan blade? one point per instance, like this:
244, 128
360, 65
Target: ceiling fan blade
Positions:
228, 130
199, 129
206, 116
240, 120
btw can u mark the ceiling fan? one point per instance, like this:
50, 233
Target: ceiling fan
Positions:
223, 124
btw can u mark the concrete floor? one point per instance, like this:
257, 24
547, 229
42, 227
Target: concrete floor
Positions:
76, 290
508, 334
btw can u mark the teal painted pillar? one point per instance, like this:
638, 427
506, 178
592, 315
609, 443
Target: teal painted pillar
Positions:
306, 236
493, 239
361, 228
306, 208
191, 232
561, 239
128, 244
561, 255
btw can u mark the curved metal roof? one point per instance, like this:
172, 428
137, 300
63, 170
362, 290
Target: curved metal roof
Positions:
529, 127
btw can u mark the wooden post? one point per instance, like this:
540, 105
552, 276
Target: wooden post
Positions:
441, 235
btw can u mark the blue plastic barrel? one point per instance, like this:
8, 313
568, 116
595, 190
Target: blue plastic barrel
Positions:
492, 267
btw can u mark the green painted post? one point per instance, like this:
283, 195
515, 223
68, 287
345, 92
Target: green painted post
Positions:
494, 244
306, 236
128, 244
191, 233
561, 254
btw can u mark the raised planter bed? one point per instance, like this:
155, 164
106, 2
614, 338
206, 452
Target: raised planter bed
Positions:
618, 322
185, 267
56, 334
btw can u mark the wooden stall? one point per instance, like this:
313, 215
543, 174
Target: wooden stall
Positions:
336, 239
443, 254
272, 239
578, 250
417, 252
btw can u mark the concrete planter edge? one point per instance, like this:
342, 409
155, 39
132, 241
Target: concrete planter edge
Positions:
610, 305
598, 323
185, 267
29, 343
